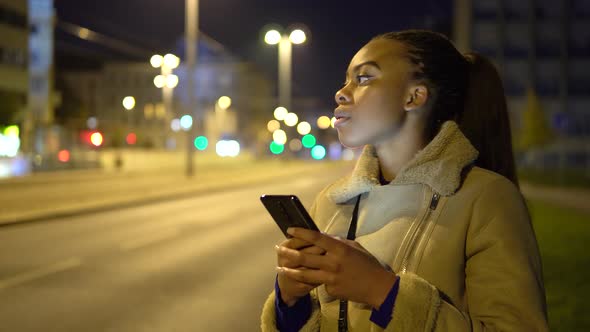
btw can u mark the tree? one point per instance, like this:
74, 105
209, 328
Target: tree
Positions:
535, 131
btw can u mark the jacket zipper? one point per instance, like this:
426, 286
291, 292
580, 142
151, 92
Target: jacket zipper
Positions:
418, 231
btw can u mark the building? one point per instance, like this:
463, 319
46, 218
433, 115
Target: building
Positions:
542, 45
102, 91
14, 79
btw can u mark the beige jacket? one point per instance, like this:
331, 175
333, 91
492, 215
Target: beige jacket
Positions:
460, 238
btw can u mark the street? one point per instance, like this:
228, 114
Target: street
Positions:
203, 263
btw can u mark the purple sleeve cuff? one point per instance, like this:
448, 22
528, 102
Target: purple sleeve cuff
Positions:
291, 318
383, 316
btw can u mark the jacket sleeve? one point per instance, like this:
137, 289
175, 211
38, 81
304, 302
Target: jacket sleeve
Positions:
268, 319
503, 283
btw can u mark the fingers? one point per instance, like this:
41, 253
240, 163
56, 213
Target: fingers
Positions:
295, 258
306, 276
321, 240
295, 243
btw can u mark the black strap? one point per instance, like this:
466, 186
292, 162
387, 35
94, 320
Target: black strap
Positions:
343, 314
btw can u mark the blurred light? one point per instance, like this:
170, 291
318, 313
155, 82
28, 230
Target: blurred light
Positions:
295, 145
160, 81
131, 138
9, 144
171, 61
170, 143
229, 148
160, 111
129, 103
156, 60
63, 156
297, 36
279, 137
148, 110
272, 37
91, 123
224, 102
83, 33
324, 122
348, 154
276, 148
335, 151
318, 152
12, 131
201, 143
273, 125
308, 141
291, 119
303, 128
332, 121
186, 122
175, 125
280, 113
96, 139
171, 81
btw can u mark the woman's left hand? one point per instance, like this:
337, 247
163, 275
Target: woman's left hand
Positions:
348, 270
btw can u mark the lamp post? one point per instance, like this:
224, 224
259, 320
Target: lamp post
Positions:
273, 37
166, 80
191, 35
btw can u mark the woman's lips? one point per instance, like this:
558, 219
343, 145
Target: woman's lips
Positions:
341, 121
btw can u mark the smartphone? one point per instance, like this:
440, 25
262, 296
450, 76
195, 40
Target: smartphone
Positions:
287, 211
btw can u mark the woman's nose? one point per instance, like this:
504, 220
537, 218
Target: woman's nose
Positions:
342, 97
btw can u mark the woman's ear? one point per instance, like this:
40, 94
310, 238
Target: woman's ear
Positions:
416, 97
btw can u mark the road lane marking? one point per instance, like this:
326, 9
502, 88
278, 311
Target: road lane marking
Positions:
40, 273
151, 239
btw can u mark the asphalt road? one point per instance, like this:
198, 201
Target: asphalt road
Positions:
204, 263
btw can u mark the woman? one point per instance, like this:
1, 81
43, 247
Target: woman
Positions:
443, 236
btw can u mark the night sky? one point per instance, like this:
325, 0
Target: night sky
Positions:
338, 29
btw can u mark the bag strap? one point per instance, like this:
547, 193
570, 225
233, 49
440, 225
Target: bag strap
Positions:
343, 314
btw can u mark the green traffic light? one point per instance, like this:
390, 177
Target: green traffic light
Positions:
308, 141
318, 152
276, 148
201, 143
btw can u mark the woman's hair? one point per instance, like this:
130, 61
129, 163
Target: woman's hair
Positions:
466, 89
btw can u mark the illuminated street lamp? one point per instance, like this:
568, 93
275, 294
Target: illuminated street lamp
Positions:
284, 41
166, 80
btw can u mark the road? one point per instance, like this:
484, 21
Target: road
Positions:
201, 263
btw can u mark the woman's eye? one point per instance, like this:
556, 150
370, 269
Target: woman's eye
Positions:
361, 79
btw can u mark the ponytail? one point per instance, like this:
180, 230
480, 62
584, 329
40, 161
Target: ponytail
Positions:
485, 121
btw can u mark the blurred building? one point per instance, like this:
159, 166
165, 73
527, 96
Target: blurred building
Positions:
102, 90
14, 79
543, 45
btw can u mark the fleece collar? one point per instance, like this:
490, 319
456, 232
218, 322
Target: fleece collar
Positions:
438, 165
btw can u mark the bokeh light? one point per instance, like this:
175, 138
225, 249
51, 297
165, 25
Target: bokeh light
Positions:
318, 152
303, 128
332, 121
291, 119
96, 139
308, 141
201, 143
279, 137
273, 125
276, 148
272, 37
280, 113
63, 156
131, 139
297, 36
323, 122
186, 122
295, 145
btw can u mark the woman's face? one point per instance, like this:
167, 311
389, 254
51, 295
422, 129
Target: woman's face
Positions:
371, 103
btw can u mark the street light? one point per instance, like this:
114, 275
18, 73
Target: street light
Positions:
273, 37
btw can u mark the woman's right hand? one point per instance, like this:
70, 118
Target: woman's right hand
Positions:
291, 289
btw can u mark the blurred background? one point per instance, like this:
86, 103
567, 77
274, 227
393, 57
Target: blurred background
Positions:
136, 137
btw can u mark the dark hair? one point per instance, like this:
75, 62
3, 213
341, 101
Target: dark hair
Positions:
466, 89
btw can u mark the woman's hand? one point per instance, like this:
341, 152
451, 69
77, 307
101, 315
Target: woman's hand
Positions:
348, 271
291, 289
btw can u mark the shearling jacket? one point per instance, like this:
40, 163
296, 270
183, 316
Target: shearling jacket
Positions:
459, 237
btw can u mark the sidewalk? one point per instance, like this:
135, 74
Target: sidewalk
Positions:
52, 195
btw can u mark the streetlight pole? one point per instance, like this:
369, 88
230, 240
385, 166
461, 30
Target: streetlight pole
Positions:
191, 36
285, 42
285, 63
